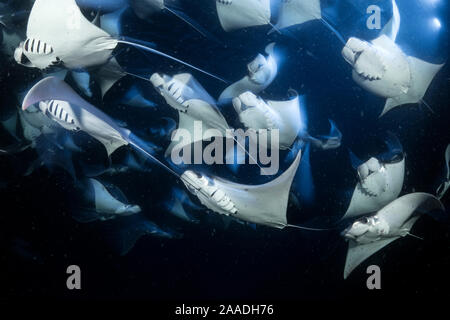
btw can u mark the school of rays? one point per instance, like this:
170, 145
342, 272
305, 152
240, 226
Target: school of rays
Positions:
75, 52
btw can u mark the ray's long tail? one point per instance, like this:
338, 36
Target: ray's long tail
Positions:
133, 43
137, 144
182, 17
308, 228
329, 26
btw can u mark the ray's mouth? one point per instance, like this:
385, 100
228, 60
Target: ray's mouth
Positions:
373, 182
257, 64
349, 55
20, 57
356, 56
352, 51
240, 105
24, 60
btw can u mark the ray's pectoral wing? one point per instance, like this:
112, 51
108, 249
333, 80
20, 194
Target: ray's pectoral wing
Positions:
60, 20
422, 74
199, 114
393, 26
185, 122
294, 12
111, 145
261, 71
90, 119
106, 202
239, 87
108, 75
66, 36
102, 128
447, 161
372, 194
237, 14
407, 226
357, 253
289, 113
445, 185
403, 209
193, 89
400, 215
51, 88
264, 204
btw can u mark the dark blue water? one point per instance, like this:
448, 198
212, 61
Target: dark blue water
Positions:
39, 238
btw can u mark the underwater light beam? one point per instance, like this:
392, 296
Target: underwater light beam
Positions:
436, 23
